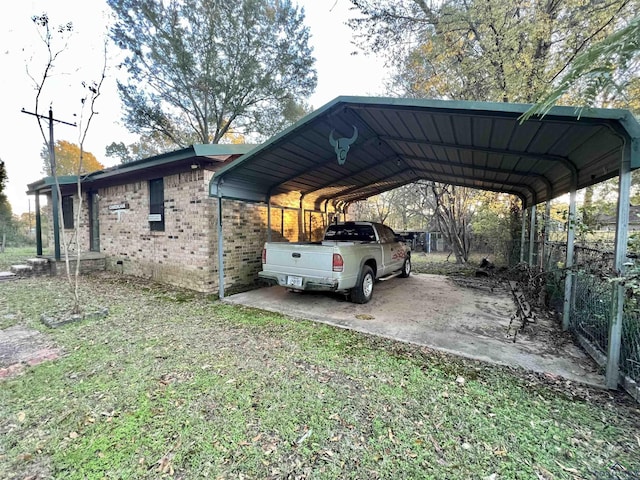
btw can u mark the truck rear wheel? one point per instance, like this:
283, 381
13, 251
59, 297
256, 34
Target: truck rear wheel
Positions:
363, 291
406, 267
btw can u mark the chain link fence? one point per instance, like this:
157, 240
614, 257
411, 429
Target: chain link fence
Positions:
591, 307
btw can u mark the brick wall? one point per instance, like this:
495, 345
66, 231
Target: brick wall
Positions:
181, 254
185, 254
245, 232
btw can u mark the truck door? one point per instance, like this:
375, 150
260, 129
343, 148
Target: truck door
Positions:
392, 251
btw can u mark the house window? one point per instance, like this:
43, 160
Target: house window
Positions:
67, 212
156, 205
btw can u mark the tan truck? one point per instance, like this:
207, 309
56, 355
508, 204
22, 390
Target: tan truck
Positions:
352, 256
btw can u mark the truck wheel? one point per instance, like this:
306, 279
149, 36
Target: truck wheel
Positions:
363, 291
406, 268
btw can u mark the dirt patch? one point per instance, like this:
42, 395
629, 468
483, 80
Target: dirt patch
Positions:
21, 346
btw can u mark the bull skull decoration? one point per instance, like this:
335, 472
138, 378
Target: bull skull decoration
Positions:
342, 145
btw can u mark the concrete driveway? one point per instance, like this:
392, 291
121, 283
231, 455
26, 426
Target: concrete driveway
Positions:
436, 312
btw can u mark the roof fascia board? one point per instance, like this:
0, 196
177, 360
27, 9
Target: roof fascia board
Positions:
193, 151
48, 182
493, 108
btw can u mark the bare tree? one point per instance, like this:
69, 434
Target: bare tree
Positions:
91, 94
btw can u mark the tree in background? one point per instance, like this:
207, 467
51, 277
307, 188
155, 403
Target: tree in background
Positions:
200, 67
490, 50
6, 217
68, 159
606, 70
500, 50
154, 143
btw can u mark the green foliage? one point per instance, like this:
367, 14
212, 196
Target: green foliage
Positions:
7, 226
496, 50
200, 67
147, 146
603, 69
68, 159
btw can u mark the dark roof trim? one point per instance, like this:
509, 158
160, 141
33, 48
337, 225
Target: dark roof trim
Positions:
194, 151
212, 153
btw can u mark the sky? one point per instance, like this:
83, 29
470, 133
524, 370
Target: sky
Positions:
22, 54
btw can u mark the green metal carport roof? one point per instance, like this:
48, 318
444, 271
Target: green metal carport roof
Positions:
399, 141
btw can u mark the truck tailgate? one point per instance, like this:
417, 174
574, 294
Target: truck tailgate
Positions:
300, 259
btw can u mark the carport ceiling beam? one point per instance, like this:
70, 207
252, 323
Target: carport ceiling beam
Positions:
515, 193
533, 193
353, 175
499, 151
416, 172
542, 178
375, 191
495, 187
359, 187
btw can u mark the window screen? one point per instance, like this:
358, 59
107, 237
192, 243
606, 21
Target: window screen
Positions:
67, 212
156, 204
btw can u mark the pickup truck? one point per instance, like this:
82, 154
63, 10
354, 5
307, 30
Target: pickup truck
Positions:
352, 256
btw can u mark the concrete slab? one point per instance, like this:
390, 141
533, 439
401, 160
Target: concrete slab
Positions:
434, 311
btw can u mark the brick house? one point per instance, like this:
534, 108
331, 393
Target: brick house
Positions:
154, 218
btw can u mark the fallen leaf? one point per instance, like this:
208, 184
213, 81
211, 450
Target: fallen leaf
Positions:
73, 435
567, 469
164, 466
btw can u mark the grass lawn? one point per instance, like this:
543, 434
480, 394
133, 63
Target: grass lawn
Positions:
173, 385
15, 255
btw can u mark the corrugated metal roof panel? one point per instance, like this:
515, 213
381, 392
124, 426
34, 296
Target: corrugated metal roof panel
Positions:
476, 144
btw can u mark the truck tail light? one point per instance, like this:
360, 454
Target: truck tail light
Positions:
264, 256
338, 262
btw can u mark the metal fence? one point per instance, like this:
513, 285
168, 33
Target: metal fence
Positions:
591, 310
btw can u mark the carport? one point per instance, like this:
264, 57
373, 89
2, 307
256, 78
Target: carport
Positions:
357, 147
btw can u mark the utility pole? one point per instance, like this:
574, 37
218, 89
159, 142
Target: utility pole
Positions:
54, 190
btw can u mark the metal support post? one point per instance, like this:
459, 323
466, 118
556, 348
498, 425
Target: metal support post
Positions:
220, 247
38, 226
268, 218
571, 236
532, 234
523, 234
617, 293
545, 237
